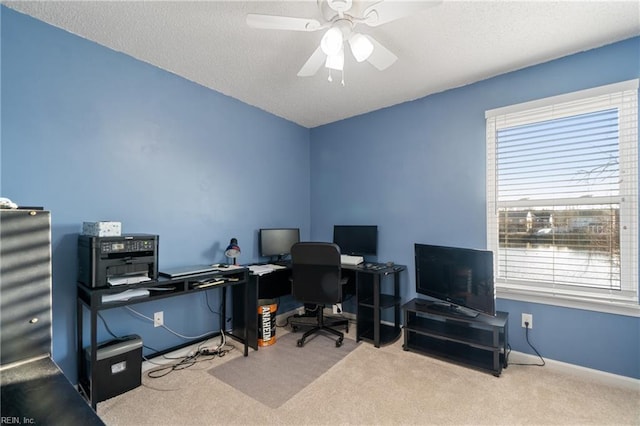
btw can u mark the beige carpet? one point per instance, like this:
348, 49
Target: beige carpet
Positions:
382, 386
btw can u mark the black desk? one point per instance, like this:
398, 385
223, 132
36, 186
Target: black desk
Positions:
268, 286
243, 294
372, 299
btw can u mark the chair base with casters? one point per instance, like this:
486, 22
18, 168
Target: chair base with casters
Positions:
306, 320
320, 326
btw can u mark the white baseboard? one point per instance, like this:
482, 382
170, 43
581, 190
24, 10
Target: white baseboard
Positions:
583, 372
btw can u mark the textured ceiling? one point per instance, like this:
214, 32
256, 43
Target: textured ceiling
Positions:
442, 47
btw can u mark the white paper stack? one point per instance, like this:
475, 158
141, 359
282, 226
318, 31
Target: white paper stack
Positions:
125, 295
127, 279
261, 269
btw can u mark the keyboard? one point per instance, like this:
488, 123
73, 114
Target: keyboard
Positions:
184, 271
350, 260
373, 266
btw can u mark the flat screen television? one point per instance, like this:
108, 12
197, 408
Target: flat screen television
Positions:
460, 279
356, 240
276, 242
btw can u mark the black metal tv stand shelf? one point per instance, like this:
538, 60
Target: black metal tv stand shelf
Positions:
479, 342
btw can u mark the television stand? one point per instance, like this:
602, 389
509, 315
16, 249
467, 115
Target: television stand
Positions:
479, 342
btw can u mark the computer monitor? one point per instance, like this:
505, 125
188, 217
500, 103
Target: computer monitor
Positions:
356, 240
277, 242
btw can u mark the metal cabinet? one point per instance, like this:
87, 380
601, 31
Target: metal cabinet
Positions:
25, 284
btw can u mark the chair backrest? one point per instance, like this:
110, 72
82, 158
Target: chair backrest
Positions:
316, 273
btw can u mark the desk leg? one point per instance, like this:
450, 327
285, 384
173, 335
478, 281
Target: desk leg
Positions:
506, 342
88, 387
79, 343
359, 296
223, 325
396, 294
245, 328
94, 351
241, 298
376, 310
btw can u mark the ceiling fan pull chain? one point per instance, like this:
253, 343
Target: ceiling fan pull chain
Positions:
342, 78
330, 78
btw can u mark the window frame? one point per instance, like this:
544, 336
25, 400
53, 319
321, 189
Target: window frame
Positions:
573, 104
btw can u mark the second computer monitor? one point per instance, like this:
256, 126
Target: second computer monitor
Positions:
277, 242
356, 240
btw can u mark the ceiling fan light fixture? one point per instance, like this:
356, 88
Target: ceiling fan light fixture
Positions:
335, 62
332, 41
361, 47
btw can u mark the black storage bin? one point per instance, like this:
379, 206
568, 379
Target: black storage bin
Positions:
118, 367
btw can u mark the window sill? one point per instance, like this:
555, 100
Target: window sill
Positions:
567, 301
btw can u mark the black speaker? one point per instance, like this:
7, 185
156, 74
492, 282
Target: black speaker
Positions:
118, 367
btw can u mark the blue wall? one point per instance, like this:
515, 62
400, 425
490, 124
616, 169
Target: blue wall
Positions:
417, 170
92, 134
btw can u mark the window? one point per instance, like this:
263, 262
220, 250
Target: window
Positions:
562, 198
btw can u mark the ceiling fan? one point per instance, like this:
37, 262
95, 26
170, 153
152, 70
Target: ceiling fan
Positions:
340, 18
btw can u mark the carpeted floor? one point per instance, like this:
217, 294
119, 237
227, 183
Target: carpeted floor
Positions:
380, 386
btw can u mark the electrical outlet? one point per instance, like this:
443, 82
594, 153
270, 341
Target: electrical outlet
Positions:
337, 308
528, 318
158, 319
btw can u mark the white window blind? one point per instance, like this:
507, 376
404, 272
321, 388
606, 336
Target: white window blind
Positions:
562, 195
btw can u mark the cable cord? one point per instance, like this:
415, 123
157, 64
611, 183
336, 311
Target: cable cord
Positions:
206, 296
223, 321
286, 323
526, 331
107, 327
306, 309
161, 371
200, 355
151, 348
167, 328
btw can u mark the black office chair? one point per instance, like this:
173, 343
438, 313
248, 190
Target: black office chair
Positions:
316, 279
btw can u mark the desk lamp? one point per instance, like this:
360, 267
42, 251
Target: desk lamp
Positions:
233, 250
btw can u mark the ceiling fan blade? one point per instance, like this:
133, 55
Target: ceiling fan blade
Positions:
271, 22
389, 10
313, 64
381, 57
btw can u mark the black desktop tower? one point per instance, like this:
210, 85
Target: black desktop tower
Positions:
118, 367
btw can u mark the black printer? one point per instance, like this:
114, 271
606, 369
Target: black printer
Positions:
125, 259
